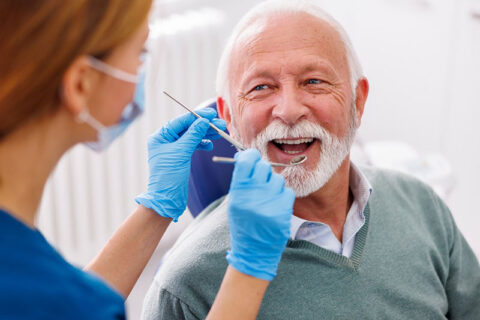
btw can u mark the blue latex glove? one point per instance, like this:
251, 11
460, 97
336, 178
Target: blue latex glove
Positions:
170, 151
259, 213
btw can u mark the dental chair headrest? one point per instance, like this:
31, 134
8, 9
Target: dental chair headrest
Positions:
209, 180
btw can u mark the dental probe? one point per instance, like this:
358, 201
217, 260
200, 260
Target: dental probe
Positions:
294, 162
223, 134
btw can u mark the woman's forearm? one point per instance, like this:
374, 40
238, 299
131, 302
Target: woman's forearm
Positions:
239, 297
126, 254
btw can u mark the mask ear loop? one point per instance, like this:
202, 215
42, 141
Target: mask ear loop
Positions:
114, 72
85, 117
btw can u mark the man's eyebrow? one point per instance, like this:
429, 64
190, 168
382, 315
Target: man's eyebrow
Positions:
266, 74
324, 67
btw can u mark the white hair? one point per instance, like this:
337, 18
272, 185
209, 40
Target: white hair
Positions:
278, 7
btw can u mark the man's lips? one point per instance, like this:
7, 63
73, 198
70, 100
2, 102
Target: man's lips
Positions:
293, 146
284, 150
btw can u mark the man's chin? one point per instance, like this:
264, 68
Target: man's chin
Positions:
302, 181
305, 182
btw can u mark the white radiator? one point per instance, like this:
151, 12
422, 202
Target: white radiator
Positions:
89, 195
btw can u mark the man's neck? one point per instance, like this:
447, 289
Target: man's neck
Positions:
331, 203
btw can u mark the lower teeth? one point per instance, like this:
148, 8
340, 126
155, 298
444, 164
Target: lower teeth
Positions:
292, 152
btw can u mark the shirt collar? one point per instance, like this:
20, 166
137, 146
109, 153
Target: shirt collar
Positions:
361, 190
296, 223
360, 186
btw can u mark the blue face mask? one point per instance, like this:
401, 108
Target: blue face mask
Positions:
106, 135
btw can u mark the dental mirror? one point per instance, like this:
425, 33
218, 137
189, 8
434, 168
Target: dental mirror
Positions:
294, 162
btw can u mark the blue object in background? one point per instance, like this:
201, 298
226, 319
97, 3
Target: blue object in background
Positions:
209, 180
170, 152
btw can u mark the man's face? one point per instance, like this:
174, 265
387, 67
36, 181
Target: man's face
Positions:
291, 95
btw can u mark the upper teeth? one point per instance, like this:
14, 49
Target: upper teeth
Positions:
289, 141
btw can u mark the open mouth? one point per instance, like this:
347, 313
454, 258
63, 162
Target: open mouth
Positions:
293, 146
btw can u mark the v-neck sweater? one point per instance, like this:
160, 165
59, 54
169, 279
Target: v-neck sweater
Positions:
409, 261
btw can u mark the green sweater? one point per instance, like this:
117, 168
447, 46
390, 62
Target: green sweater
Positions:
409, 262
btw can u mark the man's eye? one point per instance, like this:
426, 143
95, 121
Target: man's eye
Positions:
260, 87
314, 81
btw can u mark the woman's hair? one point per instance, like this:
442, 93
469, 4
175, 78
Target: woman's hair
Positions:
40, 39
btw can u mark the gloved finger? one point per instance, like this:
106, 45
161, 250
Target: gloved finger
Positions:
286, 200
220, 124
276, 183
262, 172
194, 135
207, 113
162, 135
289, 195
206, 145
245, 162
181, 124
246, 153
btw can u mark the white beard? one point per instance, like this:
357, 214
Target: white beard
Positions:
333, 153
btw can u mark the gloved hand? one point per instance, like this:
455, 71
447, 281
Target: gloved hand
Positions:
170, 150
259, 213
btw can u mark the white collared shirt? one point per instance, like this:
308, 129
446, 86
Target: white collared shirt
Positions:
321, 234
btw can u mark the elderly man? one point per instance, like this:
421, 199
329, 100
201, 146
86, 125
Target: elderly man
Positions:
365, 243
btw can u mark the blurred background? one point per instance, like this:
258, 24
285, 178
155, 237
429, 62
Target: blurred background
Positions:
420, 56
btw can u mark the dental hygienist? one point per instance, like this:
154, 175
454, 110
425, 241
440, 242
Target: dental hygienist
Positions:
69, 74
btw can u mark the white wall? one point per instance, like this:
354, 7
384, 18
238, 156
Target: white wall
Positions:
422, 60
460, 142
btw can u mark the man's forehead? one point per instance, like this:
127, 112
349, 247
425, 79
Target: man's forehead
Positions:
289, 32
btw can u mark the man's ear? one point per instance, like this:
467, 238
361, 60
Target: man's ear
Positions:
224, 112
362, 93
76, 86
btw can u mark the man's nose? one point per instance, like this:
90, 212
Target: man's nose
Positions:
289, 108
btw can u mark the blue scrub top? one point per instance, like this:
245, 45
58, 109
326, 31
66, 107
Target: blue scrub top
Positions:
37, 283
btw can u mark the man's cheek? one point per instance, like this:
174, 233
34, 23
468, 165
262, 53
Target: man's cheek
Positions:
237, 133
252, 127
232, 129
